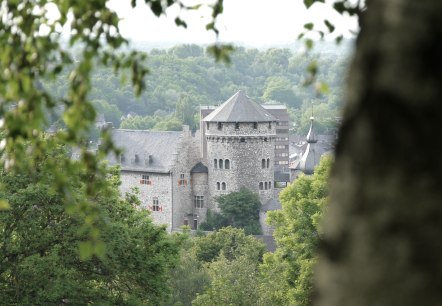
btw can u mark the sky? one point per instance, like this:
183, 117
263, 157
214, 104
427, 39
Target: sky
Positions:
252, 22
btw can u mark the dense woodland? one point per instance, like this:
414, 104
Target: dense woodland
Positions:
184, 77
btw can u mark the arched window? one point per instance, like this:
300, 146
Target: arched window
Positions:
223, 186
268, 162
261, 186
220, 161
270, 185
215, 163
218, 186
265, 185
227, 164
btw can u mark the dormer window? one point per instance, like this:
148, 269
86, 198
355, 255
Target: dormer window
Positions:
220, 126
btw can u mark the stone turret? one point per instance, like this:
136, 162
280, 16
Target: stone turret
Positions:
240, 138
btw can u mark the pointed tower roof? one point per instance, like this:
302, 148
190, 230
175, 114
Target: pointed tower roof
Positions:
310, 158
311, 135
239, 108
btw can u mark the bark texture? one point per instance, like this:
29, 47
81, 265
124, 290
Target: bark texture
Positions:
383, 230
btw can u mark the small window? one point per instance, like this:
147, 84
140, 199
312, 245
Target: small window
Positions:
223, 186
243, 140
221, 164
215, 163
268, 162
270, 185
199, 201
155, 205
145, 179
227, 164
218, 186
207, 125
265, 139
195, 224
270, 125
220, 126
263, 163
255, 125
237, 126
182, 181
261, 186
265, 185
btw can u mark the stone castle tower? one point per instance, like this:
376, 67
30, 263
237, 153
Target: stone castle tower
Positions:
240, 137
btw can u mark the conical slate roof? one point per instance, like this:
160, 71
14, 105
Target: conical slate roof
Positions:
311, 136
239, 108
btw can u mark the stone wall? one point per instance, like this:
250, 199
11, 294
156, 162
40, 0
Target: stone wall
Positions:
159, 187
245, 147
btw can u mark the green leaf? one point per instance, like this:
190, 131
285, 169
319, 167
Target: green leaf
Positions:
322, 87
308, 26
86, 250
309, 3
181, 23
309, 44
329, 25
339, 39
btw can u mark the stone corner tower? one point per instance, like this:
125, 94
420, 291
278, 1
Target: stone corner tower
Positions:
240, 138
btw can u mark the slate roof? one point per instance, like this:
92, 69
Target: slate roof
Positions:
239, 108
199, 168
155, 149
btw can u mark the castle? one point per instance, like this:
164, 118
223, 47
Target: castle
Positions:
179, 175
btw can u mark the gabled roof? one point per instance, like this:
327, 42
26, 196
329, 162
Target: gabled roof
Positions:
154, 149
239, 108
199, 168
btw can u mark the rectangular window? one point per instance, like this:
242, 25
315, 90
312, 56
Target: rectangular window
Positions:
182, 181
199, 201
145, 180
236, 126
156, 205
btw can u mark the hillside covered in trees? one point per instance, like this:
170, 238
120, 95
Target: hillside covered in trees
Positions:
184, 77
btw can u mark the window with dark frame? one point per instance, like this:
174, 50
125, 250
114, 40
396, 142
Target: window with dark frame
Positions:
218, 186
145, 179
182, 181
155, 205
227, 164
223, 186
220, 163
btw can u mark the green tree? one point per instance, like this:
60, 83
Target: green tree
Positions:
233, 282
40, 243
33, 51
297, 233
238, 209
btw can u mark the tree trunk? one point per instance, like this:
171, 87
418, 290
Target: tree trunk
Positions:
383, 230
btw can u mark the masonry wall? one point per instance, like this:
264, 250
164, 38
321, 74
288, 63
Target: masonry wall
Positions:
187, 156
159, 188
245, 147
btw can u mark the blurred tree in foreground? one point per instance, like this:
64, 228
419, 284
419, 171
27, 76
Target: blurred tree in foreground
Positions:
40, 243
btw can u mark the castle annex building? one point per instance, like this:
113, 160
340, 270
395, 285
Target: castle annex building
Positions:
178, 174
